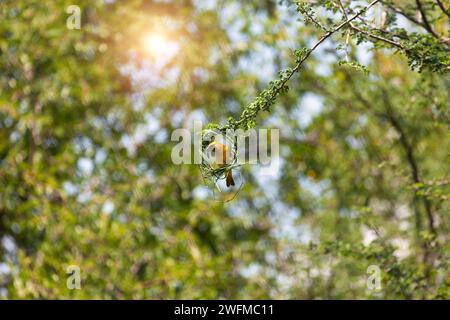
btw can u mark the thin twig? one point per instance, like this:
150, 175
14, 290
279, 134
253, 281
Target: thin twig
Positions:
371, 35
409, 150
343, 9
315, 21
347, 39
441, 5
425, 19
402, 13
380, 38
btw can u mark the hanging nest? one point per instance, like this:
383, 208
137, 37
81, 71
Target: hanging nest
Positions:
210, 169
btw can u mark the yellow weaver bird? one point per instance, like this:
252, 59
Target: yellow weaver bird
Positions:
221, 158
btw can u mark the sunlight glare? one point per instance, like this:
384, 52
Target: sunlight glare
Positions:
156, 44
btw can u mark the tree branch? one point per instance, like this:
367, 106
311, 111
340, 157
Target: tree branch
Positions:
441, 5
406, 145
377, 37
409, 150
400, 12
426, 24
282, 85
371, 35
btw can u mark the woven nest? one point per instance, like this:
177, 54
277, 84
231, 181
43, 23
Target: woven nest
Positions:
210, 170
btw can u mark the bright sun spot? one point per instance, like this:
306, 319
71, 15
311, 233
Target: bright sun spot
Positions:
156, 44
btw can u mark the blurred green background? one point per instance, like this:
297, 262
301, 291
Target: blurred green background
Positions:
86, 176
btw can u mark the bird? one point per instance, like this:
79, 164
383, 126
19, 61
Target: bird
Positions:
221, 159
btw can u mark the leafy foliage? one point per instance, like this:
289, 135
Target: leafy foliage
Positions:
85, 171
